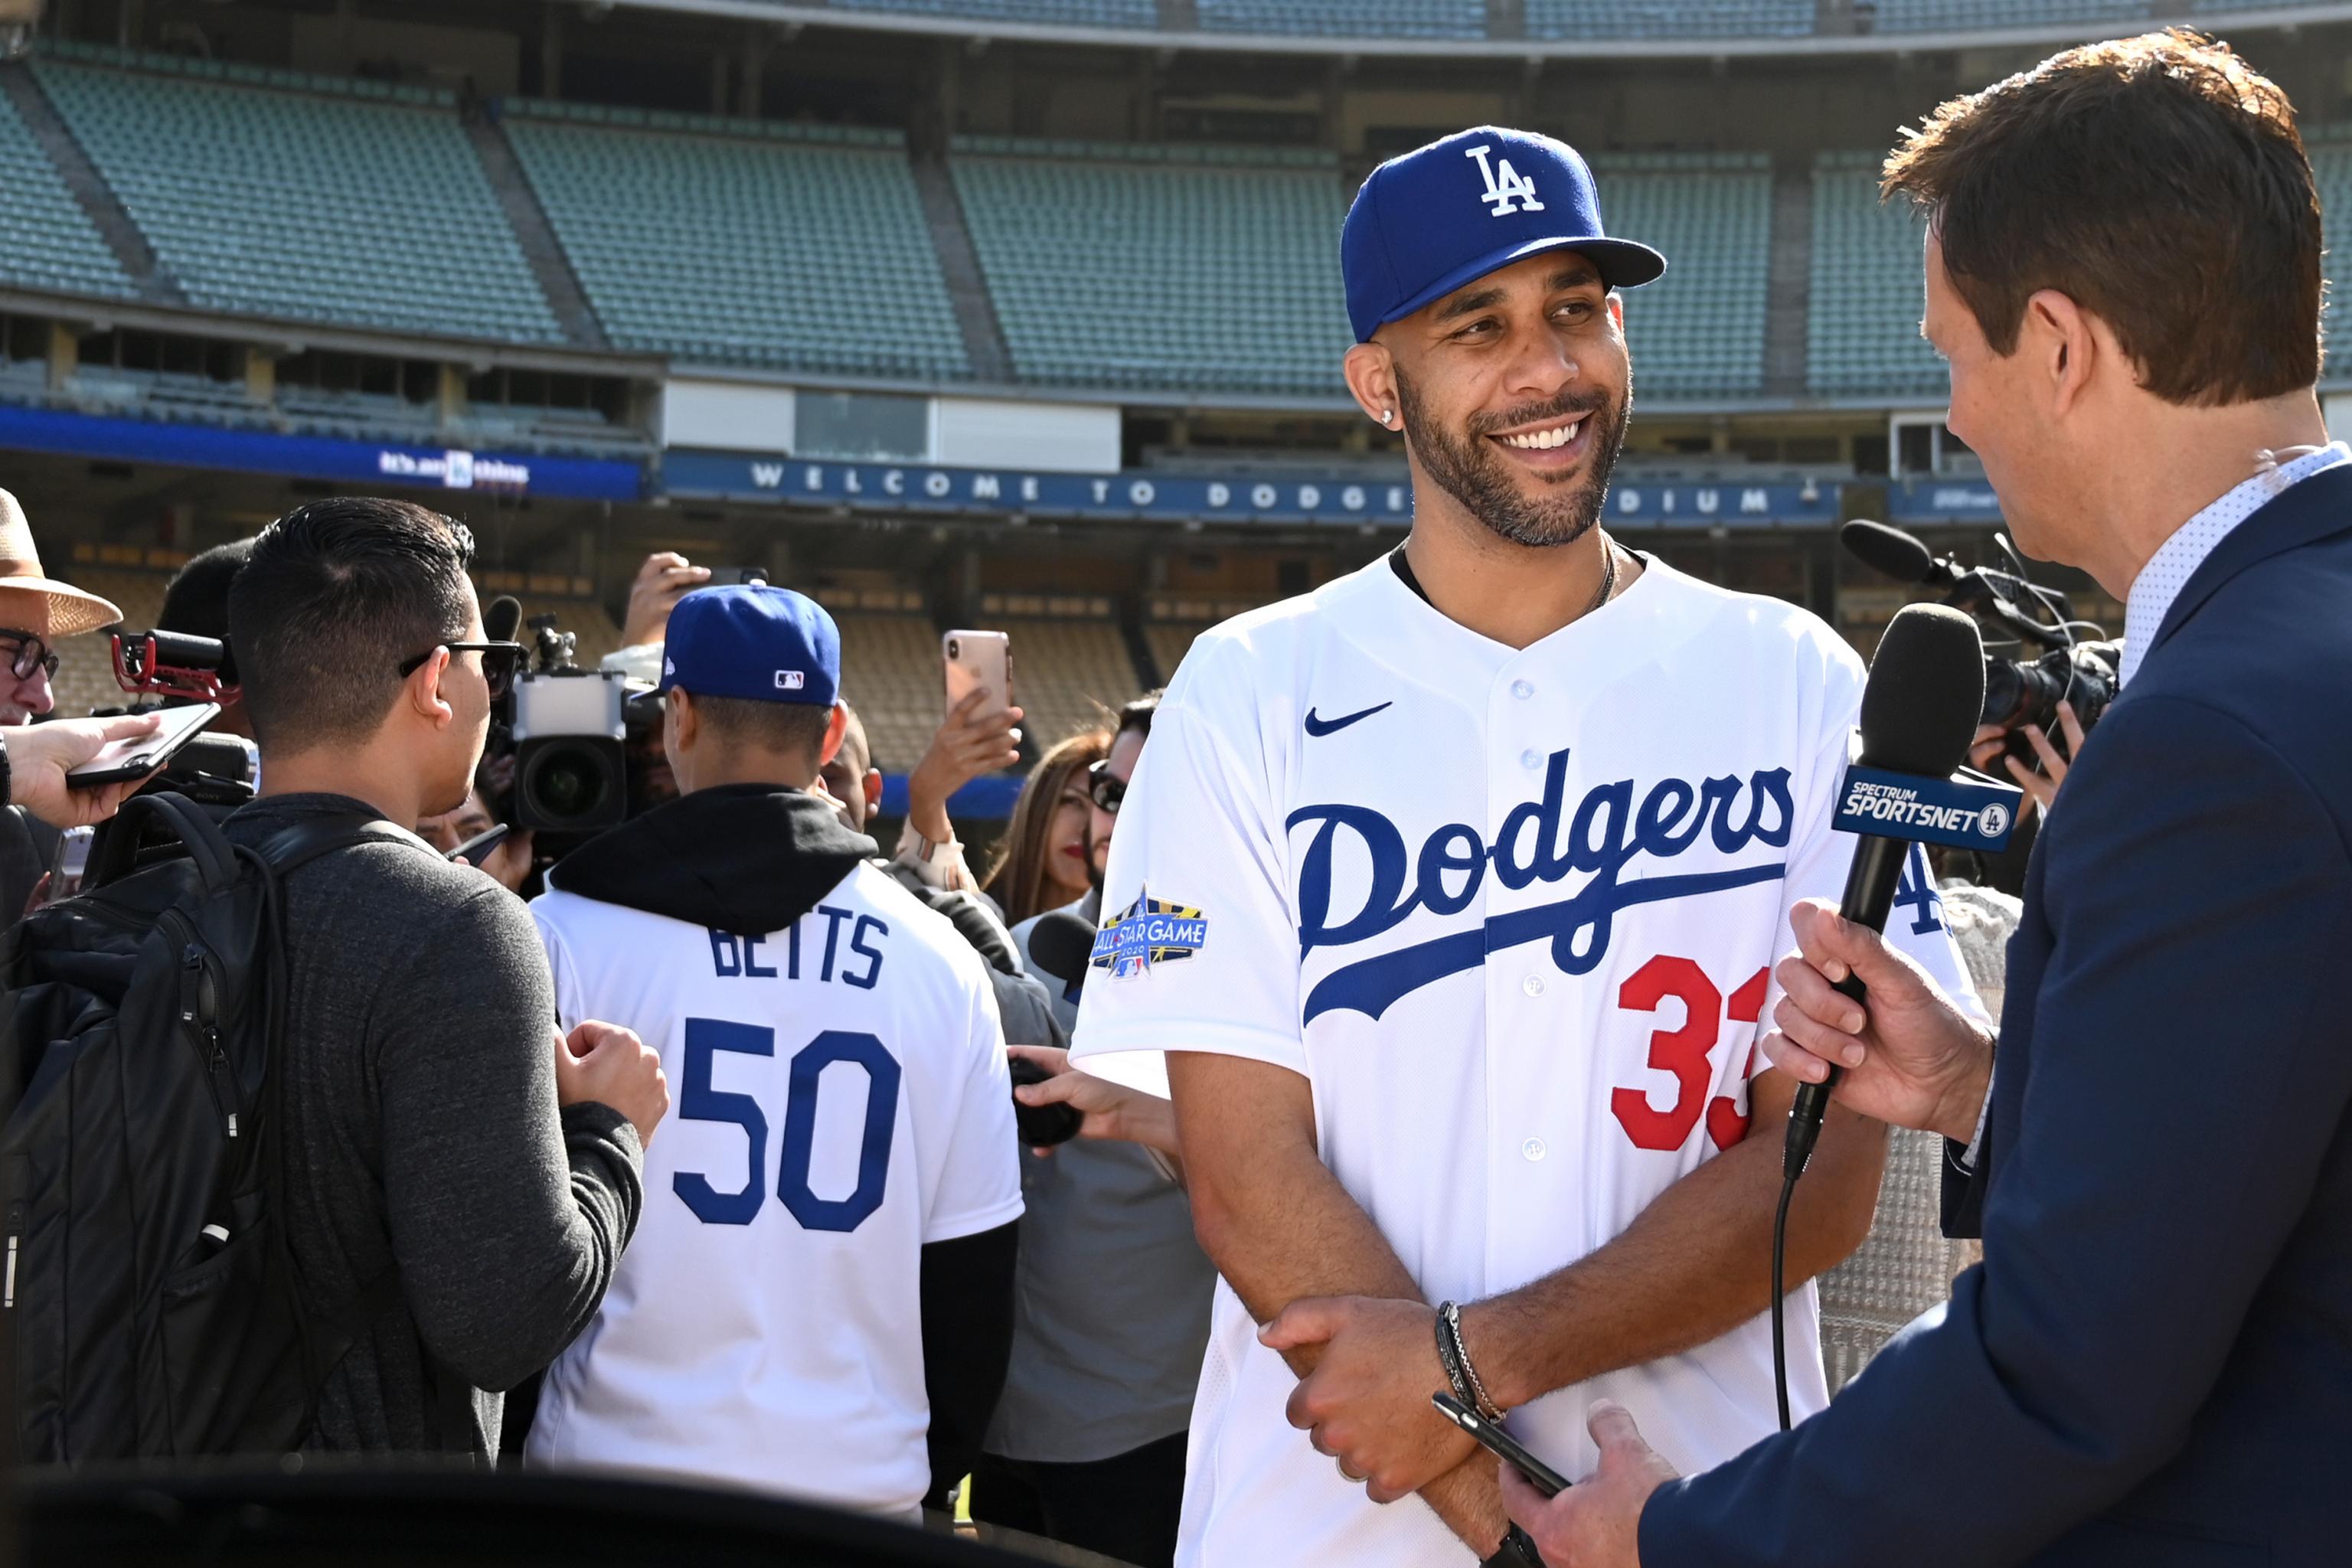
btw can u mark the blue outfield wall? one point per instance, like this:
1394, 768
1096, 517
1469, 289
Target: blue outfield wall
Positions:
1138, 496
318, 456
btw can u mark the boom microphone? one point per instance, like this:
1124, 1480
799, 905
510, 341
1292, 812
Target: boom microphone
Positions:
1919, 712
1902, 556
503, 618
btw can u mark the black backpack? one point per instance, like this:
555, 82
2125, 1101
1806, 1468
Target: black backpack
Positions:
148, 1304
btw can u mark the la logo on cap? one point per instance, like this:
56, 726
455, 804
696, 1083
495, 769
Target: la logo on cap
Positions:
790, 680
1505, 185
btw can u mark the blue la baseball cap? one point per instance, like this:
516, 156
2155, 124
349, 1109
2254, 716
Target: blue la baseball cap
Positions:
1430, 221
752, 641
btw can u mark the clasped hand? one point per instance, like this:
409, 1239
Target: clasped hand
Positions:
1365, 1402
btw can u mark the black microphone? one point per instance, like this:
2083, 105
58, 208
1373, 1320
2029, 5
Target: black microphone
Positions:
1060, 943
1902, 556
1063, 944
1919, 712
502, 619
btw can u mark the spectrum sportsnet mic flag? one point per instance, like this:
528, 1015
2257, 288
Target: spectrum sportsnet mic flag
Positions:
1968, 811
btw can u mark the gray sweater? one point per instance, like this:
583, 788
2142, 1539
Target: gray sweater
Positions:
422, 1130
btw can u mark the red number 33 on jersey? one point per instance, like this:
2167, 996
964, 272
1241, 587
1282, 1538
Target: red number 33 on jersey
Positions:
1686, 1052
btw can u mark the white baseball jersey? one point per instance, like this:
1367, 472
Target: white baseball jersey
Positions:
839, 1099
1513, 913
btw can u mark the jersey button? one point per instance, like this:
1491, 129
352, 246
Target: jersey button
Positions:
1530, 758
1533, 1149
1532, 985
1523, 689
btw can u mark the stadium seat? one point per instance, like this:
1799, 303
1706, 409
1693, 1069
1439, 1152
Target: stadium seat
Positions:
1062, 13
320, 204
2331, 168
1669, 19
47, 241
1169, 271
1961, 15
1698, 331
1863, 334
745, 243
890, 674
1348, 18
1067, 673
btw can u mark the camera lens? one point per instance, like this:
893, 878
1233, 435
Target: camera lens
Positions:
567, 784
955, 649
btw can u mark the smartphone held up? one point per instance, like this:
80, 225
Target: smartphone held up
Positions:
977, 661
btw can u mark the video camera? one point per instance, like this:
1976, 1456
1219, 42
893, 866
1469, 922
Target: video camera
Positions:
2017, 691
570, 734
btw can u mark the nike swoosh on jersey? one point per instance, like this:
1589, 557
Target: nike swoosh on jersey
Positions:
1320, 727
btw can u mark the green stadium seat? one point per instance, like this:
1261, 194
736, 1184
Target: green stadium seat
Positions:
730, 242
1348, 18
1698, 331
1669, 19
290, 201
1863, 331
47, 241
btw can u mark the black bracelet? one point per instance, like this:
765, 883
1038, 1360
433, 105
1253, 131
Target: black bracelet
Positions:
5, 779
1455, 1355
1450, 1357
1517, 1551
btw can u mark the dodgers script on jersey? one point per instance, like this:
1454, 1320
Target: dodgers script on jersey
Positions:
841, 1099
1513, 913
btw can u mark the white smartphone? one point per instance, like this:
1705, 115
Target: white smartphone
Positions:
143, 755
977, 659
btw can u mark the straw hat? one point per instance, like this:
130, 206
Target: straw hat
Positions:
31, 601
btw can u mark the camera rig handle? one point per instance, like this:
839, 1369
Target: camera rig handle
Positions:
1984, 592
173, 664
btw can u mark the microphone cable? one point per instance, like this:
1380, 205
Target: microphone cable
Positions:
1779, 1300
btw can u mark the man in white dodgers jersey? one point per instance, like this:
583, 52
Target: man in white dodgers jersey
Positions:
1452, 892
822, 1280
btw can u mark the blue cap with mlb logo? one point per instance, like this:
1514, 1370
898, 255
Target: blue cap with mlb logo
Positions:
752, 641
1437, 217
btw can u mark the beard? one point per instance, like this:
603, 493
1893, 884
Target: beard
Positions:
1471, 471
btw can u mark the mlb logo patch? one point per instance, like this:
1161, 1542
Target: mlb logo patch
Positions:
1147, 932
790, 680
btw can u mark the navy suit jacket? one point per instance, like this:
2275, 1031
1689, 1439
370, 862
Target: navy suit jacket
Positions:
2153, 1366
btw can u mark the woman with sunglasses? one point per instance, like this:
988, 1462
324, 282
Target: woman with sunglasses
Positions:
1043, 864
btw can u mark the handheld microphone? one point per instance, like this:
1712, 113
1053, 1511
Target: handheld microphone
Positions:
1060, 943
1063, 944
1919, 712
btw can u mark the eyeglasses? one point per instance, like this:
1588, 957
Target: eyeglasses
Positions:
499, 662
28, 654
1105, 788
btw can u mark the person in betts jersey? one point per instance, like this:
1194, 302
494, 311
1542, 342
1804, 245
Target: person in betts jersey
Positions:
819, 1300
1464, 1052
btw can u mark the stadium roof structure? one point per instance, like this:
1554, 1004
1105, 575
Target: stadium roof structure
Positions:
1530, 30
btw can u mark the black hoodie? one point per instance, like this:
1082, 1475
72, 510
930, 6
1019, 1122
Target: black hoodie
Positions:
741, 857
755, 857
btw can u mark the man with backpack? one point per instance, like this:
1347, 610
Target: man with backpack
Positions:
436, 1134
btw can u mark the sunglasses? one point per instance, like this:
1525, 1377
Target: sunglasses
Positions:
29, 654
1105, 788
499, 662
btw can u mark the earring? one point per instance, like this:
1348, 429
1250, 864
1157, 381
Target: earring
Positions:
1387, 415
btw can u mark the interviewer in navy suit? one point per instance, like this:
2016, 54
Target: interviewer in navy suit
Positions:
2153, 1365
